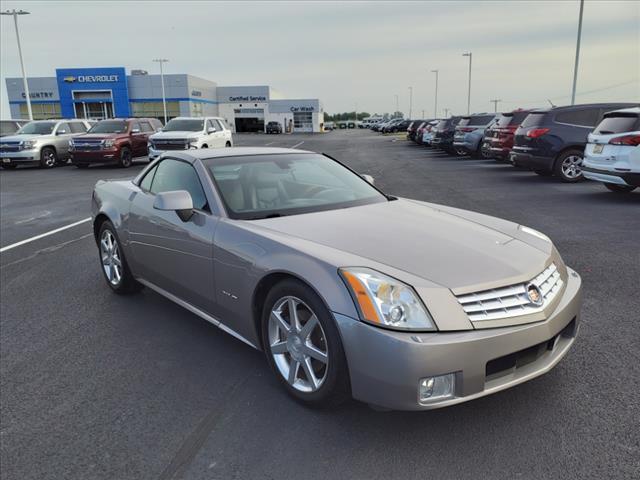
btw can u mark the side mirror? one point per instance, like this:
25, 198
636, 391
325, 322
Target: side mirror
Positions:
61, 132
178, 201
211, 130
368, 178
135, 130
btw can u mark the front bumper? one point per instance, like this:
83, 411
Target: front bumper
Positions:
385, 366
631, 179
95, 156
529, 160
20, 157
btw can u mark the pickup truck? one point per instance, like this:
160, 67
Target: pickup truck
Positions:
185, 133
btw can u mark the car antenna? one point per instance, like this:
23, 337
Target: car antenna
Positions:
552, 105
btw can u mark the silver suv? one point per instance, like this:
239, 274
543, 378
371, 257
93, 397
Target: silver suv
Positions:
43, 142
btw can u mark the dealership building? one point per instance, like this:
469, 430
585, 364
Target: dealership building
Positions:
98, 93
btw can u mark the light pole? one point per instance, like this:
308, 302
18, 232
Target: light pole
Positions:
435, 104
164, 100
446, 113
495, 104
15, 14
468, 54
410, 101
575, 67
397, 107
355, 114
422, 113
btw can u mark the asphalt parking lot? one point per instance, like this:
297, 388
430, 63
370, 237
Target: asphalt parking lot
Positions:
94, 385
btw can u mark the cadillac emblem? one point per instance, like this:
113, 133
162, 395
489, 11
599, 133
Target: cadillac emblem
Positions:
534, 295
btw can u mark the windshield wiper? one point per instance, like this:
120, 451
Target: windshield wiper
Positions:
271, 215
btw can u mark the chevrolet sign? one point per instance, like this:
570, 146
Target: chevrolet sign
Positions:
92, 79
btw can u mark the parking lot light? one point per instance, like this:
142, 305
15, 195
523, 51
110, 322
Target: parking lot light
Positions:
15, 14
435, 105
575, 66
164, 99
410, 101
469, 54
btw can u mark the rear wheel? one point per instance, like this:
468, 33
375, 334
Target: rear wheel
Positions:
228, 144
619, 188
114, 266
302, 345
48, 157
568, 166
125, 157
460, 152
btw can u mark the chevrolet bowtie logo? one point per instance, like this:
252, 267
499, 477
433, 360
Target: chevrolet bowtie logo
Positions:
69, 79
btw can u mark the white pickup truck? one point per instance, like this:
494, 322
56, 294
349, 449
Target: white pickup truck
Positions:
184, 133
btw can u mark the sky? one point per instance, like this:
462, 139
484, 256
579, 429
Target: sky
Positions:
348, 54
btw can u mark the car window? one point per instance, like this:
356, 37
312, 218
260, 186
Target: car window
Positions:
78, 127
7, 128
518, 118
533, 119
211, 124
618, 123
134, 126
145, 184
220, 125
587, 117
146, 127
176, 175
109, 126
184, 125
63, 129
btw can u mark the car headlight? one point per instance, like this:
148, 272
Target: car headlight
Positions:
534, 232
193, 143
109, 143
385, 301
28, 144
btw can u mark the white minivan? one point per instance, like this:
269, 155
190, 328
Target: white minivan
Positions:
612, 155
184, 133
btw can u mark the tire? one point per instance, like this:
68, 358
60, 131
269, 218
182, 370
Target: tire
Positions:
204, 146
543, 173
48, 158
328, 384
9, 167
125, 157
619, 188
568, 166
460, 152
227, 145
118, 277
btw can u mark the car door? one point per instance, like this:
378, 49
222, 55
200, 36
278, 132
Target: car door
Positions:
147, 130
172, 254
63, 135
211, 129
138, 139
222, 134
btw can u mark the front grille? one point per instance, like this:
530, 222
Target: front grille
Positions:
511, 301
87, 144
170, 144
10, 147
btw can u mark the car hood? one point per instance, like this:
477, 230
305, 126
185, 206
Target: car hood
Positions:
460, 250
175, 134
20, 138
100, 136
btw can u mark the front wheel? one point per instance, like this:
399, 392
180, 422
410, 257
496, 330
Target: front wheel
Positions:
125, 157
114, 266
619, 188
48, 158
227, 145
303, 346
568, 166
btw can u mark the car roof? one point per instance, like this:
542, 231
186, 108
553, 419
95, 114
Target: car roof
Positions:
625, 110
212, 153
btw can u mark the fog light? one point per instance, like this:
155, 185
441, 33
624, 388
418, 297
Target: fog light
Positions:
432, 389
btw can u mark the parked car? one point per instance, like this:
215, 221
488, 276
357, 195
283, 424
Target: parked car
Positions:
328, 126
612, 155
274, 127
278, 248
427, 132
412, 129
498, 138
443, 133
342, 125
42, 142
114, 141
552, 141
396, 126
184, 133
469, 134
351, 124
9, 127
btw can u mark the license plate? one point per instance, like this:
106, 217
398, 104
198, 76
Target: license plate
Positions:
598, 148
6, 160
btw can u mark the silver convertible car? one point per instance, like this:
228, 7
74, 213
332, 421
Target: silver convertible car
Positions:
349, 292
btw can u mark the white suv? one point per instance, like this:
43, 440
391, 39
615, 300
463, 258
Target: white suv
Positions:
183, 133
612, 155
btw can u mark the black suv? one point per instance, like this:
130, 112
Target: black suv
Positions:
552, 141
274, 127
443, 134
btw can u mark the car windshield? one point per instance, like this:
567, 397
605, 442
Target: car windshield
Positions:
504, 120
37, 128
264, 186
618, 123
184, 125
533, 119
109, 126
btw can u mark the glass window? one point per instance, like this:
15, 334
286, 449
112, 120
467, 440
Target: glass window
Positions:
109, 126
220, 125
38, 128
146, 127
135, 126
272, 185
211, 124
184, 125
618, 123
587, 117
504, 120
78, 127
534, 119
63, 129
176, 175
145, 184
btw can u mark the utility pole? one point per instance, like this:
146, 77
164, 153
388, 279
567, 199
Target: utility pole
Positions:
15, 14
575, 67
422, 114
435, 104
397, 106
468, 54
446, 113
410, 101
495, 104
164, 99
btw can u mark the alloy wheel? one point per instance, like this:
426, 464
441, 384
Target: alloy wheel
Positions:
110, 255
298, 344
49, 159
571, 166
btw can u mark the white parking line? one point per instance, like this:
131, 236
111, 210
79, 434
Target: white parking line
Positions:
270, 143
42, 235
298, 144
